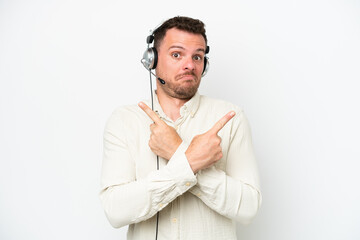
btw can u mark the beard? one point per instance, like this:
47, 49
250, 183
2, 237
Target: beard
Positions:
182, 90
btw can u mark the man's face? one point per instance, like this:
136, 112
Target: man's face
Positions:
181, 62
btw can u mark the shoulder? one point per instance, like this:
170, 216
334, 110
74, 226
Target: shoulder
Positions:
126, 110
128, 116
213, 109
213, 105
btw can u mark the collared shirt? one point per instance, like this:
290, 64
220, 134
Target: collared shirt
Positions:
192, 206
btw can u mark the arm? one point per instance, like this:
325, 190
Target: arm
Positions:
236, 192
125, 198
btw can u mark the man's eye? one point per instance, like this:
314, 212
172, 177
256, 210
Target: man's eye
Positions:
197, 58
176, 55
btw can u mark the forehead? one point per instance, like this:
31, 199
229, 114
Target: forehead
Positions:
182, 38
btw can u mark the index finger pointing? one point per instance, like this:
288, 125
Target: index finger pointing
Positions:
221, 123
149, 112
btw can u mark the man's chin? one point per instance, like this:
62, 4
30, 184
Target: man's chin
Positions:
185, 93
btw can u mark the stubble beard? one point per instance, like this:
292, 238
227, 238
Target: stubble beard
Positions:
179, 91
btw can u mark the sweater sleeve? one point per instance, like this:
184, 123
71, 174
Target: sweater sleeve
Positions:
235, 192
125, 198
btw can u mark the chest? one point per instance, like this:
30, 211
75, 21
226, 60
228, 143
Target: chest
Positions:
146, 161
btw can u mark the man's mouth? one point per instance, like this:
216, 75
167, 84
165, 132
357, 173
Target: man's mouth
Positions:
186, 76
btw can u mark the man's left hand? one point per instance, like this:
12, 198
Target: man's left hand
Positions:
164, 140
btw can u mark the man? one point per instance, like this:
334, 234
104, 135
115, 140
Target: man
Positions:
207, 176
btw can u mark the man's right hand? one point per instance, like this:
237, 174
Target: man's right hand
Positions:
205, 149
164, 140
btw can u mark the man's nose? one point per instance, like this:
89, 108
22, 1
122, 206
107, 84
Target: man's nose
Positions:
189, 64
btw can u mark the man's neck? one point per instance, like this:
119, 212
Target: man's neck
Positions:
171, 106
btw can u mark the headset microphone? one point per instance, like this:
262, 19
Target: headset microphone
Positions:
162, 81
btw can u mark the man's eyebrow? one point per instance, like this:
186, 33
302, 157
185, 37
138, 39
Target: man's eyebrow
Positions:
177, 47
197, 50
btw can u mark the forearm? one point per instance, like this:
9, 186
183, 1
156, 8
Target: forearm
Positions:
134, 201
227, 196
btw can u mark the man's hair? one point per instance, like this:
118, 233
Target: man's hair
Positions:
182, 23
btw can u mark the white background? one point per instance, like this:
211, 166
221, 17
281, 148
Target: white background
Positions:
292, 65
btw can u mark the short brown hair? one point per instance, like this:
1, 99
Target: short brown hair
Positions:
182, 23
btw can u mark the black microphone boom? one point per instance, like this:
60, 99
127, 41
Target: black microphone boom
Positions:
160, 79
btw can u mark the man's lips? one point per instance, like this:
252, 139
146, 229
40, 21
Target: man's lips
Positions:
186, 77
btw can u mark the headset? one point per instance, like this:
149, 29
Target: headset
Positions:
150, 60
150, 57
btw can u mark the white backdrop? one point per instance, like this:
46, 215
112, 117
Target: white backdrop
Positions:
292, 65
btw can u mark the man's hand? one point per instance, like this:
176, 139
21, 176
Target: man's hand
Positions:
205, 149
164, 140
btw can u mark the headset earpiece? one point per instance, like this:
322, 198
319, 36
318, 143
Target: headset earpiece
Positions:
150, 58
206, 66
206, 62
